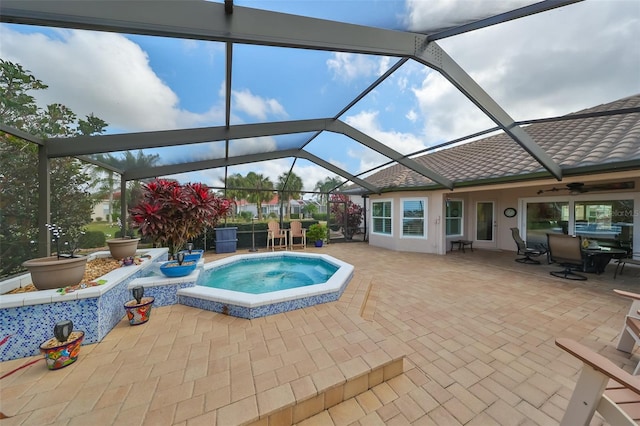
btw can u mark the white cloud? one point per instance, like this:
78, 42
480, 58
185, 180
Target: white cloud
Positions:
558, 61
429, 16
368, 123
256, 106
72, 62
349, 66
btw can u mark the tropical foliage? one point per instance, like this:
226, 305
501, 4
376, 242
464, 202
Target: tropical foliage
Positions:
346, 213
172, 214
19, 159
289, 187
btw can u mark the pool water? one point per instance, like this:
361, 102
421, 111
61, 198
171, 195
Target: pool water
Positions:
257, 276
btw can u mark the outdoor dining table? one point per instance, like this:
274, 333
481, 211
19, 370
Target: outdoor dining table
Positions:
596, 259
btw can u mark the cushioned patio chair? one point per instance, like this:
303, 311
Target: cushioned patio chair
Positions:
567, 252
525, 251
603, 387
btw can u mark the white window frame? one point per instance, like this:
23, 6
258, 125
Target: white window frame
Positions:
425, 203
461, 218
373, 231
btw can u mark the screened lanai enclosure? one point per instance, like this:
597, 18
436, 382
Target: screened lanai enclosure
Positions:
319, 89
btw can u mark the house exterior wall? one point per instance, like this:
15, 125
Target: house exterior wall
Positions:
503, 196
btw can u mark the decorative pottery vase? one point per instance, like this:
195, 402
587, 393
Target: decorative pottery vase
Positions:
139, 313
50, 272
123, 247
174, 269
60, 354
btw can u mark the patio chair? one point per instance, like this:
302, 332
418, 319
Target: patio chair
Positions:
296, 231
566, 251
275, 233
525, 251
603, 387
623, 261
630, 334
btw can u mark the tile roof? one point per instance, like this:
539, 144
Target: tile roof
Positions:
595, 141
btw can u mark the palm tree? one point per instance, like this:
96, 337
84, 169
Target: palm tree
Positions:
326, 185
235, 189
263, 190
107, 184
289, 186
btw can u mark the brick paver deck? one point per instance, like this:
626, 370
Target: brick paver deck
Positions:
477, 332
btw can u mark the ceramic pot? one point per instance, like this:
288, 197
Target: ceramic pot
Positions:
60, 354
50, 272
139, 313
173, 269
318, 243
123, 247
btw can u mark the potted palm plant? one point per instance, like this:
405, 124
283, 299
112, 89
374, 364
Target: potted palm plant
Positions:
172, 214
63, 269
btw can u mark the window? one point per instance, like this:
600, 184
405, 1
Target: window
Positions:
413, 217
608, 222
381, 217
454, 217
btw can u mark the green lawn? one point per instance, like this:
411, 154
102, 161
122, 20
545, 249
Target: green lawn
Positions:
104, 227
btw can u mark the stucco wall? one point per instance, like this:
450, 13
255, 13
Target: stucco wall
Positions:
503, 196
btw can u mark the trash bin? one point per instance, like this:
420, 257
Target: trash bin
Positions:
226, 239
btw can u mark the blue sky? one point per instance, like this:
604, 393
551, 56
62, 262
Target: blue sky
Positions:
549, 64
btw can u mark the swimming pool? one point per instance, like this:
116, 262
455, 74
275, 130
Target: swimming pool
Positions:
268, 274
254, 305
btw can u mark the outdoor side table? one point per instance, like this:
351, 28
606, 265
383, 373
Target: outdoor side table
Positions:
462, 244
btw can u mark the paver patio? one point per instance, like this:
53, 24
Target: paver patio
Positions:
477, 331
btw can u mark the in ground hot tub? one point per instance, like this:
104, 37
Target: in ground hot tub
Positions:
231, 300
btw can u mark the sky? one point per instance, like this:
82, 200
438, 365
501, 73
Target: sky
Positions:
549, 64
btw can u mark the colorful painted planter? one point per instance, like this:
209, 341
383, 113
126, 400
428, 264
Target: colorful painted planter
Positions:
139, 313
58, 355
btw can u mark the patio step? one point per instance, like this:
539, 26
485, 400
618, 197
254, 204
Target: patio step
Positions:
331, 394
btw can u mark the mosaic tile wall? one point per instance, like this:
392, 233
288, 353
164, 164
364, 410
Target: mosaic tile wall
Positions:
27, 327
259, 311
167, 294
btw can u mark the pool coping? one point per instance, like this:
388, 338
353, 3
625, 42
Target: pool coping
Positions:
247, 305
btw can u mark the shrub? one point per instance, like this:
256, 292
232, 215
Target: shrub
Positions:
91, 239
317, 232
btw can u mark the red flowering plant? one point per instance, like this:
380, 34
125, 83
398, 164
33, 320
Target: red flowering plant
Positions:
172, 214
346, 212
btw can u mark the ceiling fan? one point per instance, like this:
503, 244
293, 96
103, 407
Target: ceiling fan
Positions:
575, 188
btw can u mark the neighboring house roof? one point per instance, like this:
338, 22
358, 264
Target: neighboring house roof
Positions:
601, 143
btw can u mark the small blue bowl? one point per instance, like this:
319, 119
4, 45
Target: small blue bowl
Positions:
195, 255
172, 269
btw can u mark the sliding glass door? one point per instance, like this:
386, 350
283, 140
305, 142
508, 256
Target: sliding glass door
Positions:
484, 221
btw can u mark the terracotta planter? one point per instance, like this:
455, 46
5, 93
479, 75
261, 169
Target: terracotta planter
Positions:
50, 272
60, 354
123, 247
139, 313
